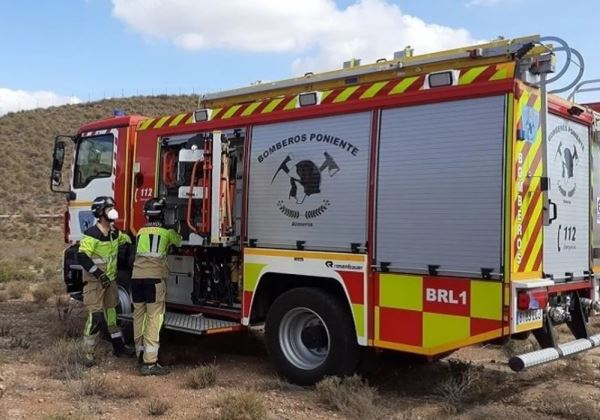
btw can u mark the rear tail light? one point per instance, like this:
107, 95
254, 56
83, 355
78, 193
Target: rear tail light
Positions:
66, 228
532, 299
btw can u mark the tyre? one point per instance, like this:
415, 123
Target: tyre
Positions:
310, 334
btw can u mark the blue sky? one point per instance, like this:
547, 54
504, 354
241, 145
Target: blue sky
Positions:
75, 50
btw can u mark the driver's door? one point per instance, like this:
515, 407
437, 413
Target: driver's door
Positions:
93, 175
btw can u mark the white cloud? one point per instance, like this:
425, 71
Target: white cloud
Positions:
322, 34
18, 100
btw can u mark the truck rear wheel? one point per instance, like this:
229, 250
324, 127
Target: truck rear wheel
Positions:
310, 334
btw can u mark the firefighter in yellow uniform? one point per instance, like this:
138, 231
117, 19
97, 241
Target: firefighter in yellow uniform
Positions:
98, 252
148, 285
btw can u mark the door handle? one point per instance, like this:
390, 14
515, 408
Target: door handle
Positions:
554, 215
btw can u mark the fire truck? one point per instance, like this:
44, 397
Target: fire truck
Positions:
419, 204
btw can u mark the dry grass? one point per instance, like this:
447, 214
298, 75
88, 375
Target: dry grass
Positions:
202, 377
5, 330
158, 407
241, 405
99, 385
3, 295
463, 385
497, 412
17, 289
572, 407
72, 415
71, 318
66, 359
351, 396
19, 343
42, 292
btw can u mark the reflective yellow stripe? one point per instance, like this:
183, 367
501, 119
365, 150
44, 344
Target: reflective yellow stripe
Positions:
177, 120
373, 90
345, 94
110, 314
229, 113
146, 123
503, 71
191, 119
215, 111
162, 121
291, 104
272, 105
471, 75
403, 85
325, 94
144, 323
250, 109
87, 330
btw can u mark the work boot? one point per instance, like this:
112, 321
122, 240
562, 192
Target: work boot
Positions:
153, 369
140, 358
123, 350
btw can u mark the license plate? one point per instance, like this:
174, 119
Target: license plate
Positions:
531, 315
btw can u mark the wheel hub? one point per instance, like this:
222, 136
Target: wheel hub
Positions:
314, 336
304, 338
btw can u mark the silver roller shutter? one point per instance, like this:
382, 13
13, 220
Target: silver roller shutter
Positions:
439, 194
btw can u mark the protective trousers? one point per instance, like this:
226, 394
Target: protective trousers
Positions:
101, 303
148, 315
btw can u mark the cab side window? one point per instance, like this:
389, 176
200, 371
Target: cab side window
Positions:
94, 159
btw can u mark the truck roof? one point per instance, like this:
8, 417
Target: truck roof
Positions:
112, 122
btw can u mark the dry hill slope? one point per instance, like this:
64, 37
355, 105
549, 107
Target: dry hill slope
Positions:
26, 139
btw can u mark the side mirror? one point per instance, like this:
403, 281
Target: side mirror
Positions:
58, 159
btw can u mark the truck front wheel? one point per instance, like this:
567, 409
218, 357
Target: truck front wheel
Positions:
310, 335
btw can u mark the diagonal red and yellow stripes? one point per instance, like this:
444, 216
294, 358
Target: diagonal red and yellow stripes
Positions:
366, 91
527, 199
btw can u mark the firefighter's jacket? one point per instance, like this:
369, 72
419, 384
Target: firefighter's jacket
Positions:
153, 242
98, 253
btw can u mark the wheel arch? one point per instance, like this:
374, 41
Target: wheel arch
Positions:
272, 284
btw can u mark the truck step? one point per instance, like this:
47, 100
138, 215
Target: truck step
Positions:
193, 323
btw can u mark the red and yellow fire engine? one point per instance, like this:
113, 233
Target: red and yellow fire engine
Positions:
419, 204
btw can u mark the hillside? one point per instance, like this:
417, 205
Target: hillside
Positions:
27, 138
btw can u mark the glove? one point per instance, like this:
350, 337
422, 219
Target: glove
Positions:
104, 280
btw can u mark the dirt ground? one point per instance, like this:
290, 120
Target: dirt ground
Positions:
397, 389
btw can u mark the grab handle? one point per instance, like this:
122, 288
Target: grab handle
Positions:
552, 205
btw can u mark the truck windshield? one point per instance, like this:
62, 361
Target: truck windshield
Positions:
94, 159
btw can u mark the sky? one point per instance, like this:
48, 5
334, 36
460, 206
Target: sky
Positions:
71, 51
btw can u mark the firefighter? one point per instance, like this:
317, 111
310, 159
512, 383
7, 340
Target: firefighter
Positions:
148, 285
98, 253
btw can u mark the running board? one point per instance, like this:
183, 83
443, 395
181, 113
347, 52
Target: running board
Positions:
550, 354
193, 324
